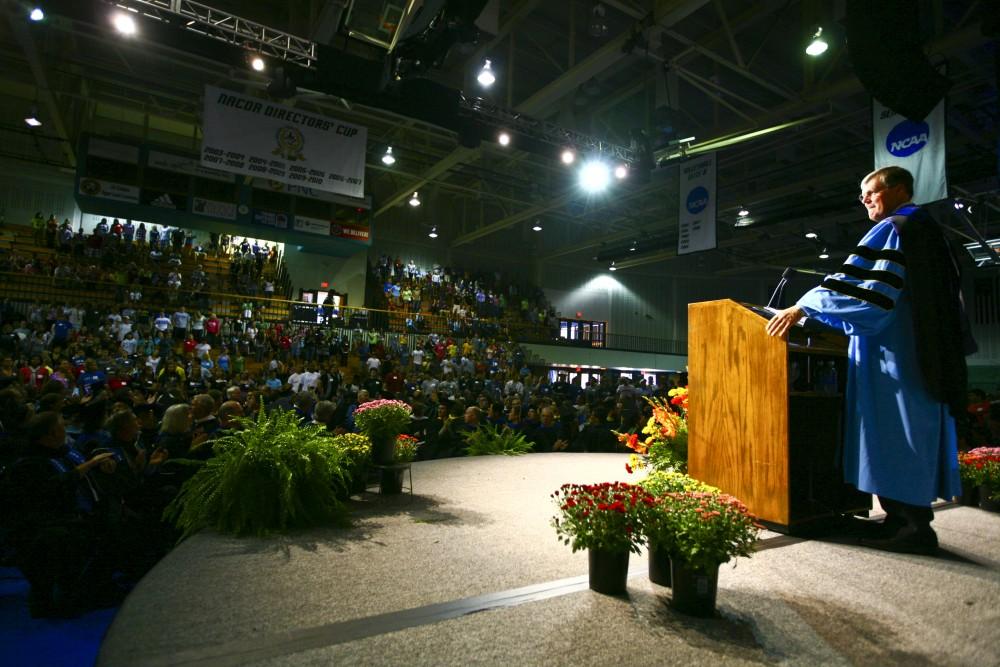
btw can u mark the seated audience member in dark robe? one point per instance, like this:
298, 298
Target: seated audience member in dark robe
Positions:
549, 435
596, 436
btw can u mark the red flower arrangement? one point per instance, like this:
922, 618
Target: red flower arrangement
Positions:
406, 448
981, 467
600, 516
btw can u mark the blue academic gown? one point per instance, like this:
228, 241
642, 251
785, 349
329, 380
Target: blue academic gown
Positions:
899, 442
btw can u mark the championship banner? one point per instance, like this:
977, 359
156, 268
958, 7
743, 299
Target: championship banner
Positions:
248, 135
696, 226
917, 146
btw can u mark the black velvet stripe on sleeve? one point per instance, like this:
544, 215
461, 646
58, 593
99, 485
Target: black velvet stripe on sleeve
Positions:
873, 255
870, 296
888, 277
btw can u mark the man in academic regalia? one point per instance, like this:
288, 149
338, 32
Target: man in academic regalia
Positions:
898, 298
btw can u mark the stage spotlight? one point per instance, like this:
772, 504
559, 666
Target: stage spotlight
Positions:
433, 233
389, 159
486, 76
621, 171
568, 156
124, 24
812, 235
824, 254
818, 45
612, 267
594, 176
31, 120
37, 15
503, 139
257, 63
743, 212
537, 227
415, 200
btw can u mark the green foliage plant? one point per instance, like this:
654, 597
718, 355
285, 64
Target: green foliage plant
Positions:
271, 476
488, 440
700, 528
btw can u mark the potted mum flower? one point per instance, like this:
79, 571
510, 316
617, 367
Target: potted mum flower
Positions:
357, 450
981, 468
701, 531
391, 477
382, 421
602, 518
659, 483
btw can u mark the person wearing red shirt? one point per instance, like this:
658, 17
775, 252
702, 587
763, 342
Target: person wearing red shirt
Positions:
212, 326
394, 382
286, 344
35, 373
189, 344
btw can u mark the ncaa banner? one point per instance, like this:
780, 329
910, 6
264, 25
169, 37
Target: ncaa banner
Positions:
917, 146
696, 226
248, 135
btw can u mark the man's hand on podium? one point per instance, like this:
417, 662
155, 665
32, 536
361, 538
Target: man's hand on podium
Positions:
784, 320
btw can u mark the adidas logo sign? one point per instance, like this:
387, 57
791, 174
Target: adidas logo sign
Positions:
163, 201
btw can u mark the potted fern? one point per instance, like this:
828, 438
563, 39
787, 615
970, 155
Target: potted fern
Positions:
271, 476
490, 440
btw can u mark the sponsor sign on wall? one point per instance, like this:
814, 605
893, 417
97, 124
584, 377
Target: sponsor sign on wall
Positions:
917, 146
249, 135
214, 209
696, 227
348, 231
312, 225
271, 219
93, 187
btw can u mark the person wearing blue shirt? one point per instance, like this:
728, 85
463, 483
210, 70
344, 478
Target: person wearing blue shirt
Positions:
898, 298
92, 378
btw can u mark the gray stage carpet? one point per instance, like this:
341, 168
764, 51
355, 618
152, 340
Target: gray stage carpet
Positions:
469, 571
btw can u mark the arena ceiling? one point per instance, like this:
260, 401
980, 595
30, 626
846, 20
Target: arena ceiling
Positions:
702, 68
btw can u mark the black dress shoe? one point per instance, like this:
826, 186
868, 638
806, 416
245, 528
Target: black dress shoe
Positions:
875, 530
908, 540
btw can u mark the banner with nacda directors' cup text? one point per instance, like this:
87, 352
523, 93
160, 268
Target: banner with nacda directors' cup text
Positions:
249, 135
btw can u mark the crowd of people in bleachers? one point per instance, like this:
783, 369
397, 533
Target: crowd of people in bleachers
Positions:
467, 299
147, 263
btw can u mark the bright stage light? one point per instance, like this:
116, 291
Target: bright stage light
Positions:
257, 63
388, 159
503, 139
124, 24
594, 176
37, 14
621, 171
567, 156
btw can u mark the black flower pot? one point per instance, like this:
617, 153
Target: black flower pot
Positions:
390, 481
970, 496
383, 449
608, 571
659, 564
694, 590
985, 499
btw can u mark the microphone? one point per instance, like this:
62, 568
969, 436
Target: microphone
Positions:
777, 298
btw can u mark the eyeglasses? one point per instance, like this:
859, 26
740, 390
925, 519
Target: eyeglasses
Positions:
871, 193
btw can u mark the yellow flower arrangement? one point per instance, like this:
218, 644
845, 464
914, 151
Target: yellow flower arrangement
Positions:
665, 444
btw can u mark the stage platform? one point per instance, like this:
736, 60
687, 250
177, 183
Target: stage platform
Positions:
469, 571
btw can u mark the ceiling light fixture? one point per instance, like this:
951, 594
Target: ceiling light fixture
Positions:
433, 233
612, 267
633, 247
598, 24
37, 15
31, 120
743, 212
415, 200
818, 45
621, 171
257, 63
824, 254
388, 159
812, 235
537, 227
503, 139
124, 24
568, 156
486, 78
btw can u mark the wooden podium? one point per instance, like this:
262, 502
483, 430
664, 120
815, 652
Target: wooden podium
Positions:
766, 415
